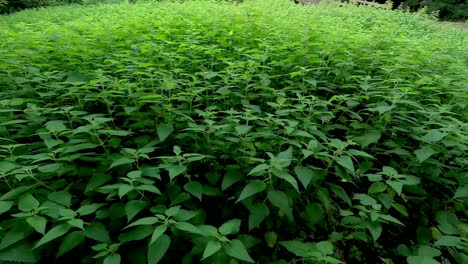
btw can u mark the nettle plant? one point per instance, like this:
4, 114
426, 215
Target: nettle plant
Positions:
267, 133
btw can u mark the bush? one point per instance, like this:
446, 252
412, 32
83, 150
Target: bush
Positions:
265, 133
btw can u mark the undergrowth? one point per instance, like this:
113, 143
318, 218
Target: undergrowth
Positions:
263, 132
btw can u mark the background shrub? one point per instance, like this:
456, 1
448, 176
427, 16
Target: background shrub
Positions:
266, 133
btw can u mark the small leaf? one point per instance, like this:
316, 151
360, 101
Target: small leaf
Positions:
281, 200
194, 188
433, 135
230, 177
158, 249
88, 209
38, 223
369, 138
365, 199
306, 175
346, 162
258, 213
53, 233
55, 126
391, 219
236, 249
230, 227
259, 168
121, 161
78, 223
250, 189
424, 153
144, 221
298, 248
124, 189
400, 208
176, 170
98, 232
375, 228
326, 247
27, 203
164, 130
270, 239
461, 192
112, 259
185, 215
158, 232
69, 242
63, 198
211, 247
5, 206
133, 207
187, 227
450, 241
340, 192
396, 185
172, 211
421, 260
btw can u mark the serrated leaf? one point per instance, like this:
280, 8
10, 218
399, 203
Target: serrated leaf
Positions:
326, 247
346, 162
185, 215
425, 250
164, 130
53, 233
158, 249
230, 177
63, 198
365, 199
230, 227
289, 178
424, 153
56, 126
144, 221
50, 168
400, 208
236, 249
27, 203
298, 248
69, 242
88, 209
250, 189
341, 193
78, 223
98, 232
421, 260
121, 161
194, 188
149, 188
21, 252
17, 191
307, 175
157, 233
377, 187
281, 200
5, 206
187, 227
259, 168
176, 170
375, 228
38, 223
391, 219
17, 233
138, 233
396, 185
211, 248
112, 259
124, 189
258, 213
369, 138
450, 241
433, 135
133, 207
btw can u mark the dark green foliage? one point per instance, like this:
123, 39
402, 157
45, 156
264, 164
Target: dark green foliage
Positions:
263, 132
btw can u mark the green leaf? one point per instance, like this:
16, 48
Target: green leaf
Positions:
133, 207
230, 227
158, 249
281, 200
377, 187
17, 233
396, 185
164, 130
236, 249
194, 188
112, 259
421, 260
365, 199
21, 252
400, 208
307, 176
185, 215
424, 153
50, 168
5, 206
375, 228
211, 247
187, 227
369, 138
450, 241
149, 188
121, 161
391, 219
230, 177
69, 242
139, 233
157, 233
461, 192
250, 189
53, 233
289, 178
176, 170
433, 135
38, 223
326, 247
259, 169
98, 232
270, 239
428, 251
63, 198
298, 248
144, 221
341, 193
172, 211
88, 209
346, 162
124, 189
27, 203
313, 213
258, 213
78, 223
56, 126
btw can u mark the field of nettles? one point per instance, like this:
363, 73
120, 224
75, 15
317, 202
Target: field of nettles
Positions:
221, 132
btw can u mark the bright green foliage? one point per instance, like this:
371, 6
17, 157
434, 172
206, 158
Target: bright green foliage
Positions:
262, 132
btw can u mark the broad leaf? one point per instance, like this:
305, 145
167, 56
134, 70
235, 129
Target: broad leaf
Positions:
53, 233
211, 247
236, 249
158, 249
250, 189
281, 200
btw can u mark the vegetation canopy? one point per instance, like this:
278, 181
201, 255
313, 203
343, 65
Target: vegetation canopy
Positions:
215, 132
